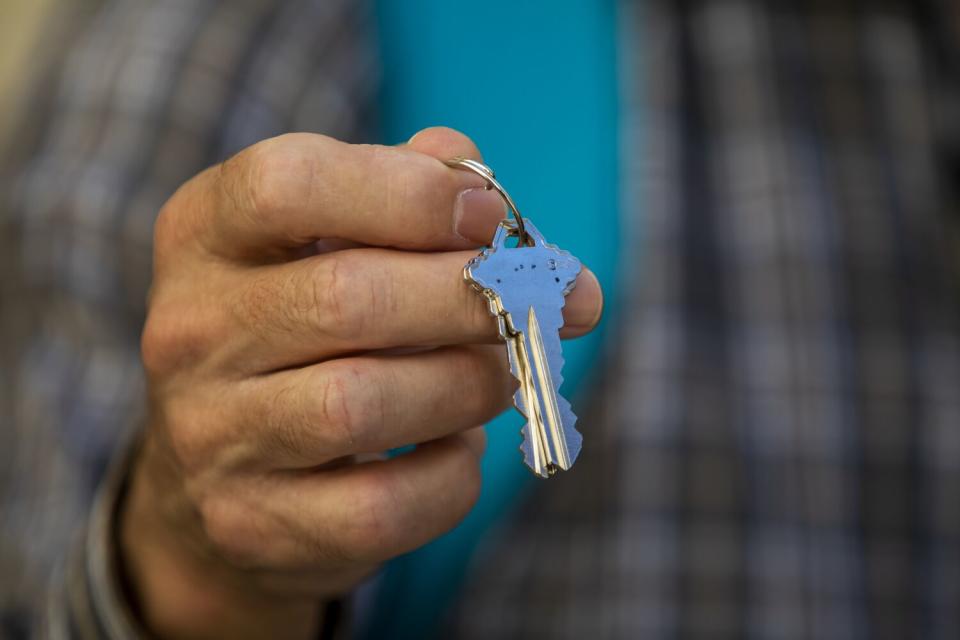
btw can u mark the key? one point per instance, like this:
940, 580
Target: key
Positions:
526, 286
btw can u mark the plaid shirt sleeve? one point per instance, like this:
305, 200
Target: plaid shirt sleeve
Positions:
774, 451
144, 96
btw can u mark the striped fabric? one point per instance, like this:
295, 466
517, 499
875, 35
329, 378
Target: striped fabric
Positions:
775, 450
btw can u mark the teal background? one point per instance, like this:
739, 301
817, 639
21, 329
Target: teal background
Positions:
534, 83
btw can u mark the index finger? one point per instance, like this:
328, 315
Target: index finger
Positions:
290, 191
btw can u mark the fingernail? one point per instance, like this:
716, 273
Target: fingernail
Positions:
477, 213
584, 305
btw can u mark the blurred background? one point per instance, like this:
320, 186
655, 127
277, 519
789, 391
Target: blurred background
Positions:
766, 191
22, 23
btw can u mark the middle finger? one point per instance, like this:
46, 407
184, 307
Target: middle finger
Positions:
307, 417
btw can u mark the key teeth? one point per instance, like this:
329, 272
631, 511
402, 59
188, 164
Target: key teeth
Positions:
574, 438
574, 444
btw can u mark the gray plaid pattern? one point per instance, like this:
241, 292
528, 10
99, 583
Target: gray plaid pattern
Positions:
147, 95
776, 447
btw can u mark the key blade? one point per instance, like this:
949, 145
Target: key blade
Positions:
552, 427
549, 430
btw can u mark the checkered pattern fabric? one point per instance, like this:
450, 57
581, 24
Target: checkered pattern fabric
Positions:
145, 95
775, 450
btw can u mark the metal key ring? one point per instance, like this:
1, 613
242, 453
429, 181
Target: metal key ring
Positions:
486, 173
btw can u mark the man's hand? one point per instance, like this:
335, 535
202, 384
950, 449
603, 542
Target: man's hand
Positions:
308, 312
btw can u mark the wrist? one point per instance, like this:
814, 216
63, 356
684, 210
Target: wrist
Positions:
179, 591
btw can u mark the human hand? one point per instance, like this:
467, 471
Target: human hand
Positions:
308, 312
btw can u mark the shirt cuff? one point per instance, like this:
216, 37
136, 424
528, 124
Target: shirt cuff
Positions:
93, 603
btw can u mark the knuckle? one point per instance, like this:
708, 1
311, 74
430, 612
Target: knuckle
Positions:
318, 296
344, 418
173, 340
192, 434
277, 176
336, 296
330, 414
313, 426
374, 519
235, 531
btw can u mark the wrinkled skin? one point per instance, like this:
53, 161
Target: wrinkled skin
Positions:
308, 312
